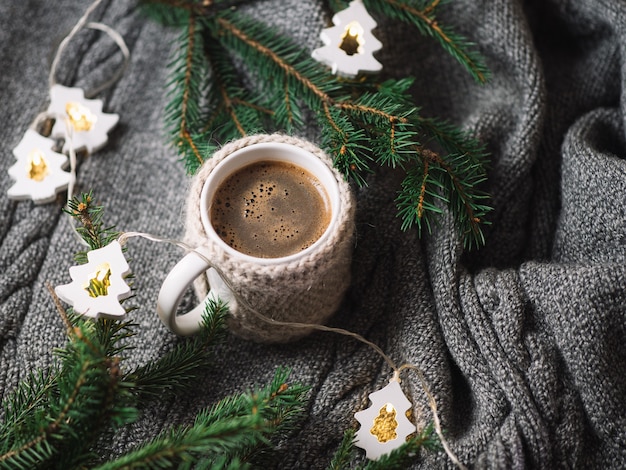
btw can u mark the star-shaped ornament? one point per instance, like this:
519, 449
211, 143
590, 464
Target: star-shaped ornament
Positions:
349, 44
38, 172
89, 125
98, 286
384, 425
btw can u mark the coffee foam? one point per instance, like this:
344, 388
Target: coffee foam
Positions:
270, 209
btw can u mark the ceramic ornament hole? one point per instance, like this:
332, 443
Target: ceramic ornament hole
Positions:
37, 166
352, 40
385, 424
99, 282
81, 118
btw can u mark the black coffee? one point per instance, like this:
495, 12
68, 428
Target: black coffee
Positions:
270, 209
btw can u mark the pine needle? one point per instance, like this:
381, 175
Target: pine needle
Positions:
235, 76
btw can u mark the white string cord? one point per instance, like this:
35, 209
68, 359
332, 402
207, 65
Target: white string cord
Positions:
432, 403
117, 38
113, 34
77, 27
123, 238
42, 116
69, 129
69, 139
69, 136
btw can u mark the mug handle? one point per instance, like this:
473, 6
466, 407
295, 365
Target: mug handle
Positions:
174, 287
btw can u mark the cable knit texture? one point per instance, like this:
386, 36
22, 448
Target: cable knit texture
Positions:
522, 341
307, 290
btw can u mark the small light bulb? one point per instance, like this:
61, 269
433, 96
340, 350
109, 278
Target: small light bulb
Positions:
352, 39
354, 29
37, 167
99, 282
81, 118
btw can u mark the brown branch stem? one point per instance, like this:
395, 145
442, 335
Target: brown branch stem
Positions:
326, 100
54, 426
184, 134
436, 158
420, 203
426, 16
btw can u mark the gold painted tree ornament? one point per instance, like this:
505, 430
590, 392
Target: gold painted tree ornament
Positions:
384, 425
349, 44
80, 119
98, 287
39, 171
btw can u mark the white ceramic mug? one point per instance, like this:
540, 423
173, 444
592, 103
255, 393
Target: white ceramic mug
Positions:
305, 287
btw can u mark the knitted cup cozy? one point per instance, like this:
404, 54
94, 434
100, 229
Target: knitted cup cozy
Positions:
307, 290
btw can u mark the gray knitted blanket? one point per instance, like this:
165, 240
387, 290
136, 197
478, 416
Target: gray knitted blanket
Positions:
523, 341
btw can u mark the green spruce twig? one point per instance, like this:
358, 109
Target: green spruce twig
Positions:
363, 124
225, 434
175, 371
345, 453
56, 418
424, 18
72, 405
398, 459
91, 229
183, 112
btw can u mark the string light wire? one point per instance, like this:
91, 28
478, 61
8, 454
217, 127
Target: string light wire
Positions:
117, 38
69, 129
112, 33
397, 370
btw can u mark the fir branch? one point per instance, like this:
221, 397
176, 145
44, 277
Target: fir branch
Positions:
349, 147
58, 420
279, 404
74, 409
168, 13
186, 445
404, 456
362, 124
454, 140
114, 334
183, 110
400, 458
274, 56
391, 133
345, 453
233, 110
275, 59
83, 209
426, 23
379, 125
55, 419
111, 334
29, 396
176, 370
422, 15
454, 181
222, 433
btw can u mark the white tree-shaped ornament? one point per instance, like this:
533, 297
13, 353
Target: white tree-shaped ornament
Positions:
89, 125
38, 172
98, 286
384, 425
349, 44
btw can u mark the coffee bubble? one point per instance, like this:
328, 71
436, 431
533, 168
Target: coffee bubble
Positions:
272, 209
